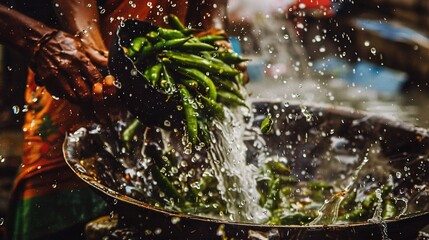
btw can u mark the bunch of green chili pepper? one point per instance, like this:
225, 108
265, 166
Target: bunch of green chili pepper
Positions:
201, 73
296, 202
174, 186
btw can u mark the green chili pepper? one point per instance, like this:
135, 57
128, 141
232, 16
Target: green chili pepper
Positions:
190, 114
230, 99
203, 132
230, 57
194, 61
129, 52
190, 83
175, 22
266, 127
138, 43
389, 210
163, 45
153, 73
165, 185
212, 108
153, 36
272, 195
129, 132
169, 34
278, 167
201, 78
212, 38
228, 86
196, 47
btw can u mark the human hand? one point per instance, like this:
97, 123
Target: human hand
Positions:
64, 65
105, 102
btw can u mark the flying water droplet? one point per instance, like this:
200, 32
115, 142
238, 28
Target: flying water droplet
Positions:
15, 109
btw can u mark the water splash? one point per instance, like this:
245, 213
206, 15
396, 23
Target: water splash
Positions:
237, 179
328, 213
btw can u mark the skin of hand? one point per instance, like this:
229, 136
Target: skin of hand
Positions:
60, 60
82, 17
62, 66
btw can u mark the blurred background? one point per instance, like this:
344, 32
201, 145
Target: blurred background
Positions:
370, 55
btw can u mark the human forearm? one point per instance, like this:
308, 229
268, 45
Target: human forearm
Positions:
20, 31
81, 18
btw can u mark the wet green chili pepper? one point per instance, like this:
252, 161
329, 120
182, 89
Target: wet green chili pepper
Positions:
162, 45
212, 108
278, 167
153, 36
166, 186
203, 132
230, 99
229, 87
196, 47
212, 38
389, 210
190, 114
272, 199
175, 23
190, 83
138, 43
129, 132
194, 61
169, 34
201, 78
266, 127
153, 73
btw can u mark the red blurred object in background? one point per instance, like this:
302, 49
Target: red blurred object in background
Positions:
302, 10
310, 8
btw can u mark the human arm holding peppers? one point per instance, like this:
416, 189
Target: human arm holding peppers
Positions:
66, 63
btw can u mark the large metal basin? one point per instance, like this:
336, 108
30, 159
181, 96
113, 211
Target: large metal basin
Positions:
401, 149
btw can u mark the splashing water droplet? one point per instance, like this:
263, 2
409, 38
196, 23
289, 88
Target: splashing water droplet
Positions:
167, 123
117, 84
134, 72
15, 109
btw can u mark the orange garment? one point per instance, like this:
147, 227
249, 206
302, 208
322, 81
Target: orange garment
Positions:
46, 123
44, 179
48, 120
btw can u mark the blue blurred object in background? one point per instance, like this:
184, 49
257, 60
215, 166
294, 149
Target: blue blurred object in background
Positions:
379, 78
363, 73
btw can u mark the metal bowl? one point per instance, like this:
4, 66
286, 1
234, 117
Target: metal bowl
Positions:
304, 134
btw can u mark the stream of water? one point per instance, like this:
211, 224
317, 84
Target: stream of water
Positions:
237, 178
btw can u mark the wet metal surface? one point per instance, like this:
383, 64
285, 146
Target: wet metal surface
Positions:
401, 148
